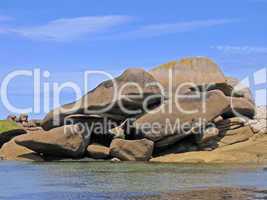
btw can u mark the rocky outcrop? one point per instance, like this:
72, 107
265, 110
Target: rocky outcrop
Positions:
208, 134
13, 151
197, 115
179, 122
259, 123
195, 70
252, 151
231, 123
237, 142
67, 141
131, 150
108, 99
230, 137
239, 90
240, 107
98, 151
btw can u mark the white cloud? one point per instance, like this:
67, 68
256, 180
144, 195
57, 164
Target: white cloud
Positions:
240, 49
68, 29
168, 28
71, 28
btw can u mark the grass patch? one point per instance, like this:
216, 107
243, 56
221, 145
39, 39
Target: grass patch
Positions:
6, 125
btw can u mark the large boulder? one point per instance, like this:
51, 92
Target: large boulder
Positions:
131, 150
67, 141
99, 127
110, 98
13, 151
195, 70
207, 135
240, 107
98, 151
239, 89
8, 130
230, 137
232, 87
177, 122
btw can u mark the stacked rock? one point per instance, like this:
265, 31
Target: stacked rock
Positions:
181, 106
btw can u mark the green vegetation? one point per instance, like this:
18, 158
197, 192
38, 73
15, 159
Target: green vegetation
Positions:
6, 125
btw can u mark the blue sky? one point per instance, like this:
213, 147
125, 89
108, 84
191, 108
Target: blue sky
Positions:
67, 37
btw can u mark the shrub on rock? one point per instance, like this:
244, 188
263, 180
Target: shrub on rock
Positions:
9, 130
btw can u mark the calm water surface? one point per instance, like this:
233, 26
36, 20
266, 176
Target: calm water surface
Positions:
104, 180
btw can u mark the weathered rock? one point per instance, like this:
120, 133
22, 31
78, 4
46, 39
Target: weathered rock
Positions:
110, 96
240, 107
231, 123
23, 118
36, 122
258, 126
98, 151
167, 141
185, 145
239, 90
117, 132
209, 134
83, 118
8, 130
131, 150
33, 129
164, 123
13, 151
224, 87
232, 87
196, 70
253, 151
99, 127
67, 141
259, 123
31, 123
8, 135
217, 119
235, 136
261, 112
